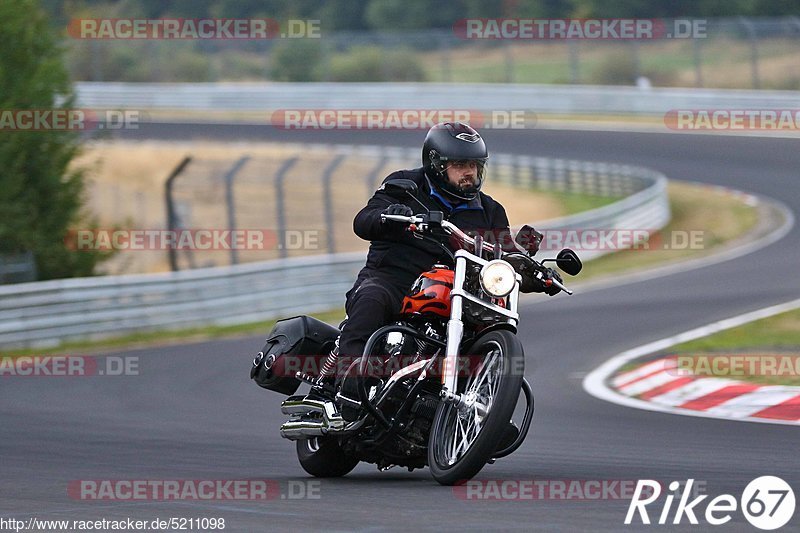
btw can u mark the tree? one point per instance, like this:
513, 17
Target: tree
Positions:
40, 196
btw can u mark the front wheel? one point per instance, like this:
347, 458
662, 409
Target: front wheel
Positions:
323, 457
464, 437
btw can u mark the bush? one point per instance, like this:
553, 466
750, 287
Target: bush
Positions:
296, 60
375, 64
40, 197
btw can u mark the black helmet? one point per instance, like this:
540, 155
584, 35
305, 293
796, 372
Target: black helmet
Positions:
453, 141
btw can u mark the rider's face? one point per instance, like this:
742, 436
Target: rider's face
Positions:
462, 174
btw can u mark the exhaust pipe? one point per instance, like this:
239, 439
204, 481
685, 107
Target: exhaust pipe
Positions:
310, 418
300, 429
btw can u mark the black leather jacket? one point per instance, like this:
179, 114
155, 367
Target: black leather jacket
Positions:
395, 256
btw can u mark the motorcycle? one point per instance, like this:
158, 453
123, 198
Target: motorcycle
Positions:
436, 388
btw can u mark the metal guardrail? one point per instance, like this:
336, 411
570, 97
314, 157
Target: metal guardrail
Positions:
47, 313
584, 99
17, 268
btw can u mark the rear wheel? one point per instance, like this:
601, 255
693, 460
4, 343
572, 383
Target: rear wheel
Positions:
323, 457
464, 437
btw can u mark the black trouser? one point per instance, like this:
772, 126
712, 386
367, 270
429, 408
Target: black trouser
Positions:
371, 305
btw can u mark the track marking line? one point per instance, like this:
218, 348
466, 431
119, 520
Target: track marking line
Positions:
596, 383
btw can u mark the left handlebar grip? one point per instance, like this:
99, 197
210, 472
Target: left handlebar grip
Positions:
398, 218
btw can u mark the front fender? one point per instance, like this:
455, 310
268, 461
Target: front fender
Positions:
467, 344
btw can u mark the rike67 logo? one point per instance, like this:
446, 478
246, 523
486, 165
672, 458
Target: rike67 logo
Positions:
767, 503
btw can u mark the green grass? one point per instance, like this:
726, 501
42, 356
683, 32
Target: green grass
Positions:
574, 203
777, 334
724, 62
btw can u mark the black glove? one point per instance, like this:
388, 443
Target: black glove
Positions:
552, 290
398, 209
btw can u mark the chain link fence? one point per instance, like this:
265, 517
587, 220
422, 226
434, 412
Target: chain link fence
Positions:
293, 206
47, 313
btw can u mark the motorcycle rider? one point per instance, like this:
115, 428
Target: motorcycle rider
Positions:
454, 158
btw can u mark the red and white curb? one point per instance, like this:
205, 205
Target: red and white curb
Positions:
661, 382
655, 386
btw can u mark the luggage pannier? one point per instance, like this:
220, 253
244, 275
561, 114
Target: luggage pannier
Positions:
300, 343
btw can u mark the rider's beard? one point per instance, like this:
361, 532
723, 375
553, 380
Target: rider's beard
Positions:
466, 183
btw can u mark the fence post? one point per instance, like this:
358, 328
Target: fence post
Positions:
698, 63
373, 176
637, 64
447, 72
279, 202
229, 202
171, 216
326, 191
574, 62
751, 33
509, 57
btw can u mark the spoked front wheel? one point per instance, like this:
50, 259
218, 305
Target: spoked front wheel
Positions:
464, 436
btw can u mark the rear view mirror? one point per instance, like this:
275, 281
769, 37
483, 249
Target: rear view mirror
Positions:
568, 261
399, 188
529, 239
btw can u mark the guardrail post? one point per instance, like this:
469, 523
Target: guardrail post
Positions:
279, 202
171, 216
326, 191
229, 202
17, 268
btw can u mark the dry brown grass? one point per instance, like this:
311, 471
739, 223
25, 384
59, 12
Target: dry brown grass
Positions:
126, 189
719, 216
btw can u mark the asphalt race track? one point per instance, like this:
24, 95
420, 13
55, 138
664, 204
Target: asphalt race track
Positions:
192, 412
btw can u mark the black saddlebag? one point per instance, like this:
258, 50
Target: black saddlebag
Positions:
300, 343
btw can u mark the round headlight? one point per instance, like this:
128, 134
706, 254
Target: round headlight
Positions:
498, 278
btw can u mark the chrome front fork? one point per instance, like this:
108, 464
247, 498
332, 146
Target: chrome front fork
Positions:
455, 331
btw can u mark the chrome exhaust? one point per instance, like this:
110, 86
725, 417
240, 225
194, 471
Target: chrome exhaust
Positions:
310, 418
300, 429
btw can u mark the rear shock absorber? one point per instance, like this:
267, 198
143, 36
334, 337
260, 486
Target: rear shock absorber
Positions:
330, 362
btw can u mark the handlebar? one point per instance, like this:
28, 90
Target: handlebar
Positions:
420, 223
560, 286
